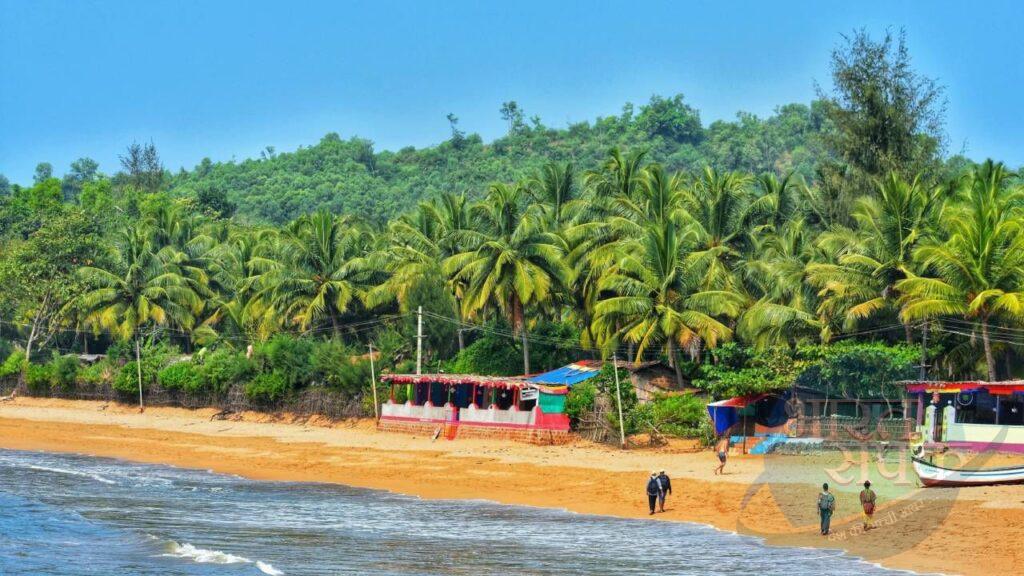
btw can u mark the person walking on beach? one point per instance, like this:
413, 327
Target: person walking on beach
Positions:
826, 506
722, 447
653, 491
867, 502
666, 488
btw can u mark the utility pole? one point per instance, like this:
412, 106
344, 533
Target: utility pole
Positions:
419, 340
618, 396
373, 385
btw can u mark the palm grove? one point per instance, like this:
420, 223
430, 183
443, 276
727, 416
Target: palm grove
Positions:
849, 238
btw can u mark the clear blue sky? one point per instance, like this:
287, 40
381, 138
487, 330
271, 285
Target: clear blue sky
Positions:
224, 79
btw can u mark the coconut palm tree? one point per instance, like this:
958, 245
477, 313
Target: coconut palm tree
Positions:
722, 213
877, 254
978, 272
147, 287
236, 268
652, 296
553, 190
321, 271
511, 261
773, 272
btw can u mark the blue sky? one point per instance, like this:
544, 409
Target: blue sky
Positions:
225, 79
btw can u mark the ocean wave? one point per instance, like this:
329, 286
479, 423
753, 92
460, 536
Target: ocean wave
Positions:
268, 569
204, 556
95, 477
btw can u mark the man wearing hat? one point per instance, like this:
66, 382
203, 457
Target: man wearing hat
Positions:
653, 490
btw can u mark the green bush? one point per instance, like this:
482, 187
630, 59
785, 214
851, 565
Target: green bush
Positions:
580, 401
183, 376
225, 368
267, 388
289, 357
501, 355
101, 372
37, 377
126, 382
341, 368
154, 357
679, 415
491, 355
63, 372
13, 364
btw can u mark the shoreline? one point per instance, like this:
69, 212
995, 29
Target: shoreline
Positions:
949, 532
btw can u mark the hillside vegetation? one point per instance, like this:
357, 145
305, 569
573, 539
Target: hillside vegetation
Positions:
740, 253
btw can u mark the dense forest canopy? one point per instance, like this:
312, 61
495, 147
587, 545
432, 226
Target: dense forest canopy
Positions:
723, 249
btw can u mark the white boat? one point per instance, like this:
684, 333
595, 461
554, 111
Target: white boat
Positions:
932, 475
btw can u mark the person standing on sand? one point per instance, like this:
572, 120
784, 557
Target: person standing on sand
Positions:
826, 506
867, 502
666, 488
653, 491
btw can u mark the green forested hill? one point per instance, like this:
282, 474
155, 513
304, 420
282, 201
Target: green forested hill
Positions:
349, 176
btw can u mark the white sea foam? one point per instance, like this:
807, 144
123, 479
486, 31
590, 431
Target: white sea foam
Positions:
268, 569
204, 556
95, 477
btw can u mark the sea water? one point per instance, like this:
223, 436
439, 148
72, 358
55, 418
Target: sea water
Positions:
76, 515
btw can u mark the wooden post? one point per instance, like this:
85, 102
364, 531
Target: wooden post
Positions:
618, 396
744, 431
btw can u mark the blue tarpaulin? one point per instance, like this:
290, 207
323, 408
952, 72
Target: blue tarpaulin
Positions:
771, 412
567, 375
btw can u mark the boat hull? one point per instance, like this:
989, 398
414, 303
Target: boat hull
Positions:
933, 476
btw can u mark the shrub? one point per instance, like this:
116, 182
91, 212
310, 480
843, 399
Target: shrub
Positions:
13, 364
678, 415
183, 376
341, 368
501, 355
153, 358
63, 372
289, 357
580, 401
267, 388
492, 355
225, 368
126, 382
101, 372
37, 377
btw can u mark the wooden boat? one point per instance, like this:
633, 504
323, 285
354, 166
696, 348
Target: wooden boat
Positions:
932, 475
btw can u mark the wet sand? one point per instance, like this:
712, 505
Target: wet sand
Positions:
969, 531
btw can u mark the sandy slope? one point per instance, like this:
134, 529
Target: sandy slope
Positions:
976, 531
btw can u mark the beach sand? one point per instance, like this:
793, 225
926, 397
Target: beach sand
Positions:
969, 531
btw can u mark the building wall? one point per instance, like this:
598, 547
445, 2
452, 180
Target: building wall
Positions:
991, 437
532, 436
650, 382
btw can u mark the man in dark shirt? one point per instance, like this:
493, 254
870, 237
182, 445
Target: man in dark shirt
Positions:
653, 490
666, 488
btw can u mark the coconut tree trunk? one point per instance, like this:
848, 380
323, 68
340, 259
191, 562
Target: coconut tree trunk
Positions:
924, 352
334, 322
138, 369
908, 333
990, 362
526, 350
674, 361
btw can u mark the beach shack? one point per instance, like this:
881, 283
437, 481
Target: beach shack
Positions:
972, 415
753, 422
468, 405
